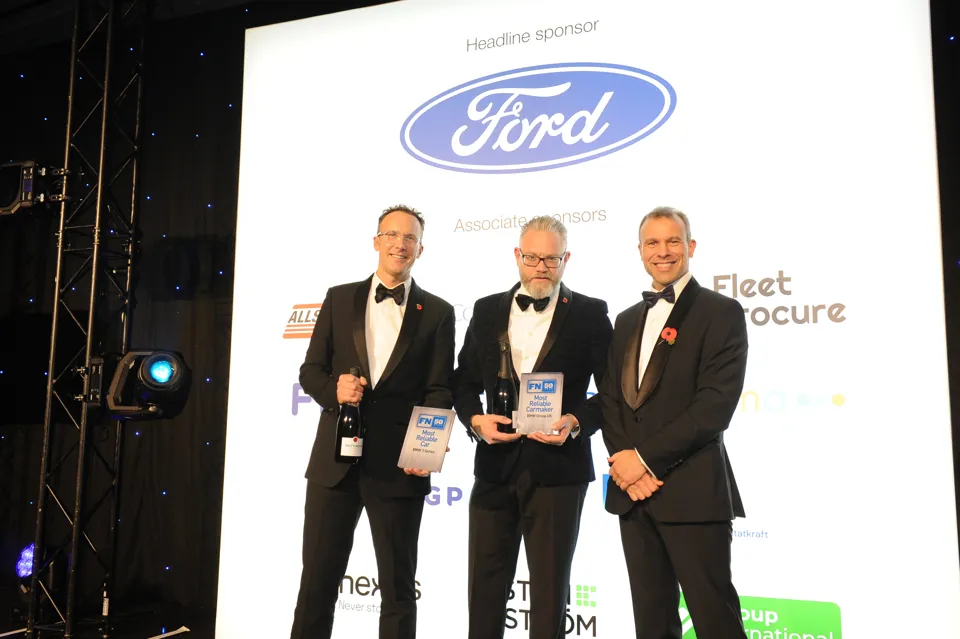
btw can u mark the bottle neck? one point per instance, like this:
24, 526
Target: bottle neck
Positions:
505, 372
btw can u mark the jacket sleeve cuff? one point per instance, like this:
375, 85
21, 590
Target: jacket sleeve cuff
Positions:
645, 465
473, 433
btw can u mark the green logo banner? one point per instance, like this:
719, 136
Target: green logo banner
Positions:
586, 596
779, 619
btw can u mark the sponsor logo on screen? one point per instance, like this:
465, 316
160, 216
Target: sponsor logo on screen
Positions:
580, 619
542, 386
299, 397
751, 293
538, 118
362, 594
788, 618
438, 422
301, 321
462, 312
448, 495
750, 535
779, 401
585, 596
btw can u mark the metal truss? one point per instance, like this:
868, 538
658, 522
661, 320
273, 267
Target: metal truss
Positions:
97, 247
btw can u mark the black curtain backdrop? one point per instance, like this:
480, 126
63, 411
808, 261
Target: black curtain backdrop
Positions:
169, 543
172, 475
945, 21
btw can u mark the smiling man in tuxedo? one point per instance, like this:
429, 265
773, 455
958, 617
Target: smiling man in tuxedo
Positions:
402, 339
673, 380
530, 487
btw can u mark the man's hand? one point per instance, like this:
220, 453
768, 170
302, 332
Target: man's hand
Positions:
563, 426
350, 389
626, 468
644, 488
486, 427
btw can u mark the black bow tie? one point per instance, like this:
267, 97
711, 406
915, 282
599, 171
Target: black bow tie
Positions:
524, 302
383, 293
652, 298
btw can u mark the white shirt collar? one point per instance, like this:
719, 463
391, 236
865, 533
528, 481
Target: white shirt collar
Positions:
679, 285
405, 284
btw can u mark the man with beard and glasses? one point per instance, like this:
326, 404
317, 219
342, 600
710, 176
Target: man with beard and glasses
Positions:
402, 340
530, 487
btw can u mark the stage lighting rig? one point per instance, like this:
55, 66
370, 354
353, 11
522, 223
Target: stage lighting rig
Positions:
149, 385
53, 583
25, 184
25, 562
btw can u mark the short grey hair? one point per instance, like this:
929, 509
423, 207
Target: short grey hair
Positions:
545, 223
667, 212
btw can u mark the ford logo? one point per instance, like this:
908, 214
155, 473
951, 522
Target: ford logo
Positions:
538, 118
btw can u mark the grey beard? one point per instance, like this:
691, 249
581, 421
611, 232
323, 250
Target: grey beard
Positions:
538, 290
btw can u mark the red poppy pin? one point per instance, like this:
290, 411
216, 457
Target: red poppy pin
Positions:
670, 335
419, 307
564, 300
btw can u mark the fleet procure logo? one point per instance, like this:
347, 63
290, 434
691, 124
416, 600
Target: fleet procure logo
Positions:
779, 619
538, 118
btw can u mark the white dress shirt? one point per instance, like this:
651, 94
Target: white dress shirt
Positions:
656, 319
527, 331
652, 327
382, 327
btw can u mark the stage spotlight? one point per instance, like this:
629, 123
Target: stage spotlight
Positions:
148, 384
24, 184
52, 577
16, 186
25, 562
162, 371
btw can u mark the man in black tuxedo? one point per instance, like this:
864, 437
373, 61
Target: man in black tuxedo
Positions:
531, 487
402, 339
673, 380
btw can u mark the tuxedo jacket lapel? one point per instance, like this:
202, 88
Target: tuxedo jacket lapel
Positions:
661, 352
501, 324
560, 312
631, 360
360, 324
408, 328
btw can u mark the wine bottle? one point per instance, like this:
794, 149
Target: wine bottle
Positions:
505, 392
350, 432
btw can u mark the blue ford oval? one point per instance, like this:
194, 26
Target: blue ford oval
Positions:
538, 118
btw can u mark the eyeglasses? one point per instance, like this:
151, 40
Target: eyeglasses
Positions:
551, 261
394, 237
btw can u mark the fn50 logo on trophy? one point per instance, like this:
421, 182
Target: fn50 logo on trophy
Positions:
542, 386
432, 421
